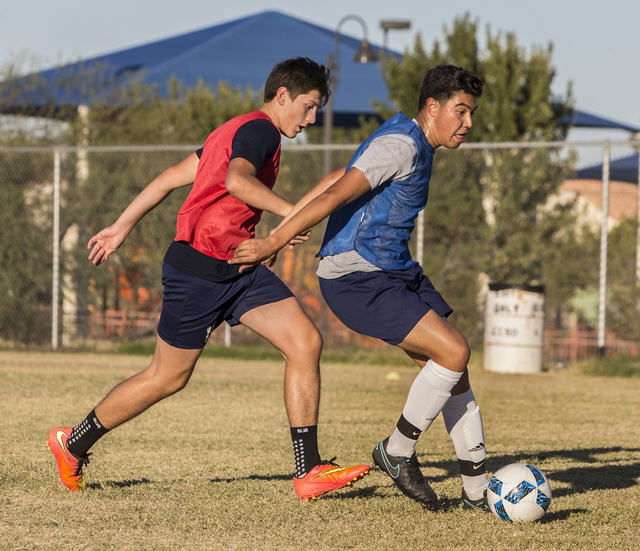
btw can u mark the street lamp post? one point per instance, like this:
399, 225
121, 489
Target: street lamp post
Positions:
365, 54
388, 24
394, 24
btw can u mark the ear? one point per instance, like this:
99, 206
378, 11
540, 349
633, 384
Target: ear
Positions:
282, 95
433, 107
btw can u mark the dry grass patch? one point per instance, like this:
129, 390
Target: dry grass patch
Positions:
211, 467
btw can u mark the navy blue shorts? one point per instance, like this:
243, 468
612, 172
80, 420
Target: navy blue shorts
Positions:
192, 307
385, 304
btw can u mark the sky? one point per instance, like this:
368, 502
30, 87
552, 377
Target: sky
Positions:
596, 46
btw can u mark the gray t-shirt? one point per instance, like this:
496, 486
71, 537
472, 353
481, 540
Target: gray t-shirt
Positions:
390, 157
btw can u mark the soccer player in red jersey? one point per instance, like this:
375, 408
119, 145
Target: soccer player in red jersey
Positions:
233, 176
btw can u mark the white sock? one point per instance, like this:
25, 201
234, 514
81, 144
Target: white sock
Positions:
428, 394
462, 418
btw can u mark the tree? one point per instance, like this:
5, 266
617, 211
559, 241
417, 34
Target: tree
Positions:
25, 280
121, 113
623, 300
140, 115
488, 208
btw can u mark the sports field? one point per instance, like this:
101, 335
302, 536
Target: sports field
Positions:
211, 467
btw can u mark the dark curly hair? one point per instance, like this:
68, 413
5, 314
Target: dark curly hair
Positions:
299, 75
442, 82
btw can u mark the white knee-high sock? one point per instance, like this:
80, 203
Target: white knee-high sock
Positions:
428, 394
462, 418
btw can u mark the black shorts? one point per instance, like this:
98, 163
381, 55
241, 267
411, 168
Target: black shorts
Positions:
385, 304
192, 307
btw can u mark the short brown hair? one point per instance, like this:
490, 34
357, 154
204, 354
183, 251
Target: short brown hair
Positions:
300, 75
442, 82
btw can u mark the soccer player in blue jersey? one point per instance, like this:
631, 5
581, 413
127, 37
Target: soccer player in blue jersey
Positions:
372, 285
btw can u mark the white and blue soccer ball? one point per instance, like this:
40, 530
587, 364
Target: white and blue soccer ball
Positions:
519, 492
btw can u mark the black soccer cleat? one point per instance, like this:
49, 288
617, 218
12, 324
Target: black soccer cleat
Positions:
475, 504
406, 475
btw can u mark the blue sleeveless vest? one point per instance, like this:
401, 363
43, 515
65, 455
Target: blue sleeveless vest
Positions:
378, 224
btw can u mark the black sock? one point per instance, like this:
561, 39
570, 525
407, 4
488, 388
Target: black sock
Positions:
305, 449
85, 435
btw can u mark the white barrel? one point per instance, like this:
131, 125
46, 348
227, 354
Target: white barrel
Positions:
514, 328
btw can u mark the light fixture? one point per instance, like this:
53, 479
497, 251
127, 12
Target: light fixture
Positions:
364, 54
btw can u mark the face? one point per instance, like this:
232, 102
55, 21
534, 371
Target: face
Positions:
451, 122
297, 114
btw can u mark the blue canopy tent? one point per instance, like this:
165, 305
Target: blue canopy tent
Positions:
624, 169
242, 52
582, 119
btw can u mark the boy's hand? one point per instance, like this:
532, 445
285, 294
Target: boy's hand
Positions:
255, 251
105, 243
297, 240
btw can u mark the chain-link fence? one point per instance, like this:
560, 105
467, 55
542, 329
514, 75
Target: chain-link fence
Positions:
507, 210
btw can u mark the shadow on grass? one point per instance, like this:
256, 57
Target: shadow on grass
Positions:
118, 484
348, 492
252, 477
448, 505
597, 474
556, 516
353, 492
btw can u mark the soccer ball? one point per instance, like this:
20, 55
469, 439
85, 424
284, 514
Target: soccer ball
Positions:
519, 492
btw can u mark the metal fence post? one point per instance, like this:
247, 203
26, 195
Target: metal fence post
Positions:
638, 219
420, 238
604, 234
56, 250
227, 335
327, 162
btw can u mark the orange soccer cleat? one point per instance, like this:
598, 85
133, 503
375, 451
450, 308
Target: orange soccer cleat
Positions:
69, 466
327, 477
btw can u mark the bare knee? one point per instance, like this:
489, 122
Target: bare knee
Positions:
314, 344
171, 369
166, 380
461, 354
304, 348
179, 381
454, 354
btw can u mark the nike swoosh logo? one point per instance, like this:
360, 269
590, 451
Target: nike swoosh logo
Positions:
393, 468
336, 470
476, 467
81, 483
59, 436
418, 433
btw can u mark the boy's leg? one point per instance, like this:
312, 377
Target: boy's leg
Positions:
463, 421
446, 353
460, 411
169, 371
435, 338
286, 326
443, 353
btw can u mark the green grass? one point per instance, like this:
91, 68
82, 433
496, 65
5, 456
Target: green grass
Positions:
618, 366
386, 355
211, 467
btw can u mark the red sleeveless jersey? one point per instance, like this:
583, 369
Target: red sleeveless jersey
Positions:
212, 220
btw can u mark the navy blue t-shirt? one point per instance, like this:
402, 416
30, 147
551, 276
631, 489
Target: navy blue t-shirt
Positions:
256, 141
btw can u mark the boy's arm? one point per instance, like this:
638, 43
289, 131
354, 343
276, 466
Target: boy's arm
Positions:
348, 188
316, 190
319, 188
106, 242
241, 182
